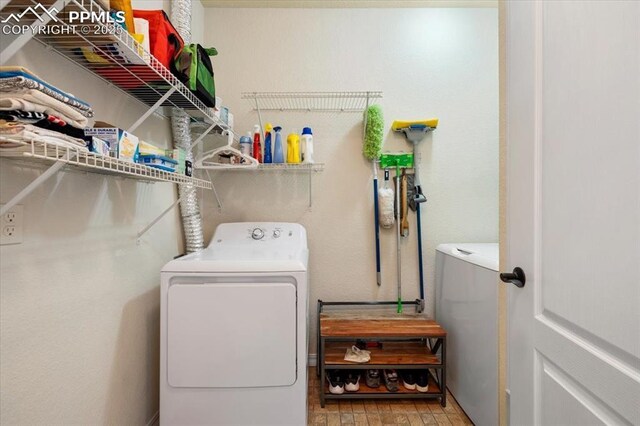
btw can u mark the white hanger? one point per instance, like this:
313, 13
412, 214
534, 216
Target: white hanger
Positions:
202, 163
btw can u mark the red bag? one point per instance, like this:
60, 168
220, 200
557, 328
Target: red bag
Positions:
164, 40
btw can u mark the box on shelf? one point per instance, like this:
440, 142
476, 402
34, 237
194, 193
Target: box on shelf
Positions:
145, 148
122, 144
179, 155
99, 146
159, 162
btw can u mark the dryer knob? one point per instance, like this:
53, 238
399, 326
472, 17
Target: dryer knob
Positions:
276, 233
257, 234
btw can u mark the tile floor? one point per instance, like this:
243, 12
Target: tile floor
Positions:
380, 412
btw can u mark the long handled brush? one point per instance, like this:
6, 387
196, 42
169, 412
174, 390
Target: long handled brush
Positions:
373, 134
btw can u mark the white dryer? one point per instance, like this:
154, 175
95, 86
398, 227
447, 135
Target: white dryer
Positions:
234, 329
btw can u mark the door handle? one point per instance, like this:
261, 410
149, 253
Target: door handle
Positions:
516, 277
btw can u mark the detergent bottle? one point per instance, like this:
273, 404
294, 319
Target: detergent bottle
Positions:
293, 148
306, 143
257, 150
267, 143
278, 155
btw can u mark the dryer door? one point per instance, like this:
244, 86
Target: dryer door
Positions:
231, 335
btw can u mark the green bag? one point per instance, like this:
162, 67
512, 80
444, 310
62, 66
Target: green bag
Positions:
193, 67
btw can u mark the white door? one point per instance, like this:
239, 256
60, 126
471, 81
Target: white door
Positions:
573, 211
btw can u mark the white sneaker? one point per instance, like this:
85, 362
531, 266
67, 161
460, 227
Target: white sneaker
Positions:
352, 383
336, 384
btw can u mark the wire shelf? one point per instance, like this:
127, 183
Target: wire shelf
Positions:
97, 163
112, 54
312, 101
273, 167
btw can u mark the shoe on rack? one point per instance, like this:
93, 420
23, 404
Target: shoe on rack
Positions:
336, 383
373, 378
409, 379
422, 381
352, 382
391, 380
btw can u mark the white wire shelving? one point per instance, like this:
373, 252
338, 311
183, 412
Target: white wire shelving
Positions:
277, 167
312, 101
49, 152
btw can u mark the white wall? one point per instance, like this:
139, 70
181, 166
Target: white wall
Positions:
429, 62
79, 299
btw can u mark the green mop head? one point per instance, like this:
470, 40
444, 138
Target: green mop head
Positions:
373, 133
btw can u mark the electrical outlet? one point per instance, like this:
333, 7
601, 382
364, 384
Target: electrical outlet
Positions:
11, 226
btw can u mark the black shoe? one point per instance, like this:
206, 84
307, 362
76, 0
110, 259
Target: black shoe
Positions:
336, 383
391, 380
409, 379
373, 378
422, 381
352, 383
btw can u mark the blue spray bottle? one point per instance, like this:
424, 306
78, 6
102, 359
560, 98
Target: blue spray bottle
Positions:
278, 155
267, 143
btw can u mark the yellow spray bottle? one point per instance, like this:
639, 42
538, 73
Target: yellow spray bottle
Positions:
293, 148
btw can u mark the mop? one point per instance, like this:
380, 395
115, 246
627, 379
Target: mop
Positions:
373, 134
398, 161
415, 131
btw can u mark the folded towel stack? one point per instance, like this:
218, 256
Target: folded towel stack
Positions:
32, 110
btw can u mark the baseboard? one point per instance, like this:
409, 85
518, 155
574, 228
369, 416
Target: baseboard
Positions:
155, 420
312, 361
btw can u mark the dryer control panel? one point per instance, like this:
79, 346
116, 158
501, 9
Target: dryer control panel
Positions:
280, 234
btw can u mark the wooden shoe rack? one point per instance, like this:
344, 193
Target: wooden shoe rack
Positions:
407, 341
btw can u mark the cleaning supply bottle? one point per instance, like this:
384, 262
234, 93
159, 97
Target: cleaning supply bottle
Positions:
257, 149
267, 143
245, 144
306, 148
293, 148
278, 156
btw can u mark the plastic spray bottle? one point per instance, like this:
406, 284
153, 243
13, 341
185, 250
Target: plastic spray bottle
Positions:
245, 144
257, 149
278, 155
267, 143
293, 148
307, 145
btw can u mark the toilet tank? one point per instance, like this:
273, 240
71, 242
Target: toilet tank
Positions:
467, 307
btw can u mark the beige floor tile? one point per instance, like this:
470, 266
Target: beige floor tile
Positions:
357, 407
319, 419
401, 419
414, 419
370, 407
428, 419
388, 418
442, 419
455, 419
345, 407
450, 409
360, 419
347, 418
383, 406
333, 406
436, 408
333, 419
422, 407
374, 419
